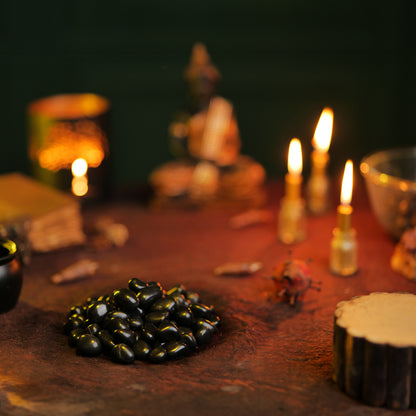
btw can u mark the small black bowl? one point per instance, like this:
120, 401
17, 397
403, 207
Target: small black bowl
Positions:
11, 275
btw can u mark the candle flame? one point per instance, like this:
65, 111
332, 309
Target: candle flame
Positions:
79, 183
79, 167
347, 182
294, 164
323, 132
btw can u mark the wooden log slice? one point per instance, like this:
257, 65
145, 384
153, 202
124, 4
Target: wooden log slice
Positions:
375, 349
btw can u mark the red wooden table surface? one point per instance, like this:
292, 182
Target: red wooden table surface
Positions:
267, 358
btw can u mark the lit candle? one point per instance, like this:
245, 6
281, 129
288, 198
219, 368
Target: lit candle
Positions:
318, 184
343, 259
292, 224
79, 185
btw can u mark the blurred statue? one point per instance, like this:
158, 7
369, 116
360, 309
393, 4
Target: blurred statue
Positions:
205, 139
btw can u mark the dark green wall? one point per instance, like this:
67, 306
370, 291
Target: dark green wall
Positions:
281, 62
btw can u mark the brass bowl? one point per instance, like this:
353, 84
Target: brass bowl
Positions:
390, 177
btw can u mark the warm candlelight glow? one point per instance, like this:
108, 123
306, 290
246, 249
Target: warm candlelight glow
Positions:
347, 182
291, 223
323, 132
79, 183
79, 167
294, 164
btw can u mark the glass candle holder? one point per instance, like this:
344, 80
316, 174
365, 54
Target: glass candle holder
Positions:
68, 143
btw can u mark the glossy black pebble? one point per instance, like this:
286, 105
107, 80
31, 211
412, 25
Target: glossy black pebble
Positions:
206, 324
106, 340
136, 285
188, 336
203, 335
158, 355
192, 297
89, 345
167, 331
115, 323
93, 329
148, 333
91, 299
149, 295
74, 336
157, 317
76, 310
176, 349
117, 314
184, 316
125, 299
122, 353
215, 319
135, 323
155, 284
73, 322
141, 350
97, 311
138, 311
124, 336
178, 298
201, 311
177, 289
166, 304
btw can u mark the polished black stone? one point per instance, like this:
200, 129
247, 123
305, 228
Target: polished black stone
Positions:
97, 311
158, 354
115, 323
178, 297
135, 323
124, 336
125, 299
176, 349
176, 289
122, 353
205, 323
184, 316
73, 322
106, 340
149, 295
136, 285
141, 350
148, 333
157, 317
118, 314
166, 304
151, 326
168, 331
203, 335
201, 311
74, 335
93, 329
192, 297
76, 310
89, 345
188, 336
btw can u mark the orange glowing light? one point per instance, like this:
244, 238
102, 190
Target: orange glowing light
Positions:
79, 185
67, 142
294, 164
347, 183
79, 167
323, 132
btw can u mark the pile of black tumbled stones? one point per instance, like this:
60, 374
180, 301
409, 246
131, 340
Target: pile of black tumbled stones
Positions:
141, 322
